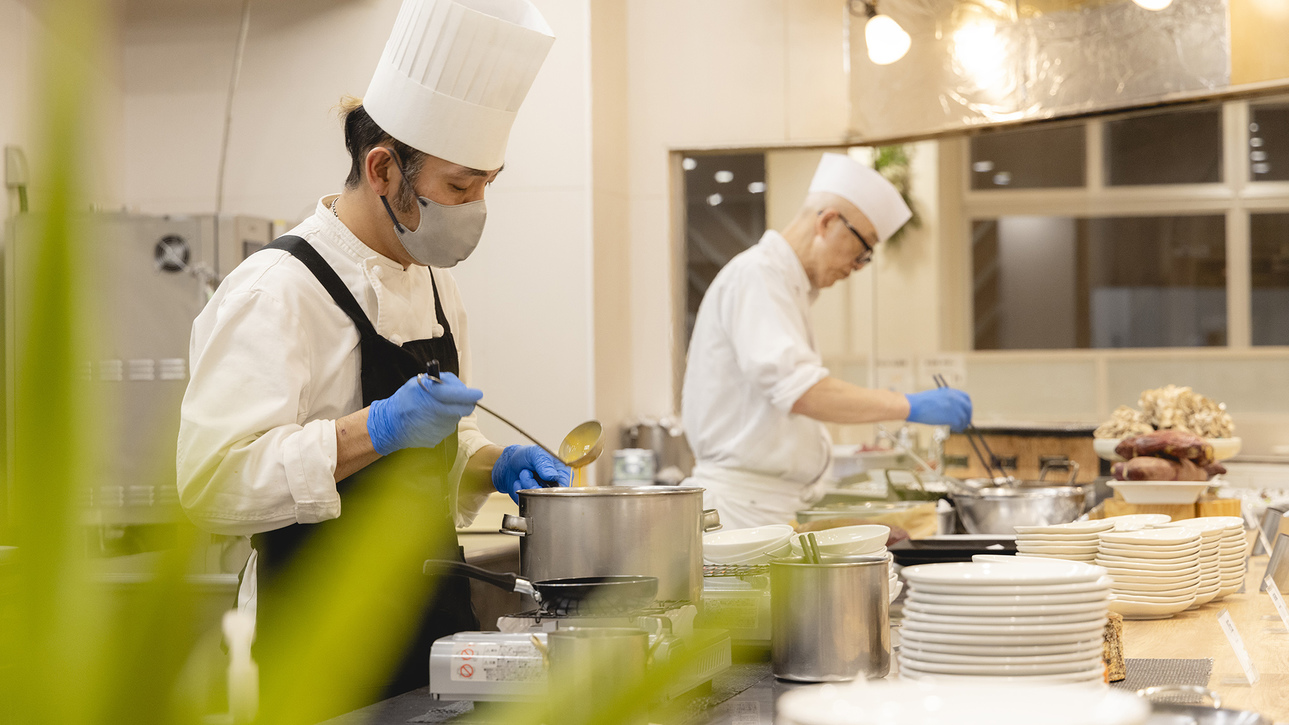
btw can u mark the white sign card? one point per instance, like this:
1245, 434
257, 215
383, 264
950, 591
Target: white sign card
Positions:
1273, 591
1237, 645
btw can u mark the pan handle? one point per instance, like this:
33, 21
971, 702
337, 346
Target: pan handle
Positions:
509, 582
513, 525
711, 520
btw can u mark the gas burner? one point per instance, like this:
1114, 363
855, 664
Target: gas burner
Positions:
662, 617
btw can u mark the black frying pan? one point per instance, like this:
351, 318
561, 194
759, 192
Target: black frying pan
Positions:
570, 595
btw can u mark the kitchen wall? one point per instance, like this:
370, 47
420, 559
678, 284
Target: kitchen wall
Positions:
528, 288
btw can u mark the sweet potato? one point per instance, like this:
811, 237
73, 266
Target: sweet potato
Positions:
1175, 444
1149, 468
1214, 469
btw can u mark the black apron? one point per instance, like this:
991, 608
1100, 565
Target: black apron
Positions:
422, 475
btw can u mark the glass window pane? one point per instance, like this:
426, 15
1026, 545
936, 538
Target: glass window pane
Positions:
1269, 142
1069, 282
1029, 159
724, 215
1177, 147
1269, 235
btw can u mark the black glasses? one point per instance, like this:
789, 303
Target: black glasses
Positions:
867, 256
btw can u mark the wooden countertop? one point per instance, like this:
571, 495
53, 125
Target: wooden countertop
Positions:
1196, 634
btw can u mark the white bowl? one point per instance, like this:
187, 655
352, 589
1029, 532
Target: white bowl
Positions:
1223, 448
910, 702
1140, 492
848, 540
1148, 610
721, 547
1017, 572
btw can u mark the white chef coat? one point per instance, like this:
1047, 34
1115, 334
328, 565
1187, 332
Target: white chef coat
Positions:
275, 362
752, 356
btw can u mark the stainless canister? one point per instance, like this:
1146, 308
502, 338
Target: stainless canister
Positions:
592, 673
1270, 525
606, 530
830, 622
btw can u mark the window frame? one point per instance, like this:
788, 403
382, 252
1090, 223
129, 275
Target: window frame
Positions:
1236, 196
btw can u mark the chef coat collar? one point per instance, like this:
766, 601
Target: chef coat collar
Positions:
345, 240
785, 257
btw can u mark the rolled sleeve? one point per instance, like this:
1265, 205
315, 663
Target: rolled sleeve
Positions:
770, 335
247, 460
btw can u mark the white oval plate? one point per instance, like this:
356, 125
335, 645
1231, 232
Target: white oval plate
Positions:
993, 650
1086, 628
1092, 595
1081, 527
1141, 588
1080, 558
1042, 659
1125, 597
1054, 571
1019, 639
1174, 536
929, 622
1129, 552
1004, 611
1145, 610
1187, 546
1089, 678
1157, 565
1059, 538
1135, 522
1104, 582
1040, 549
947, 668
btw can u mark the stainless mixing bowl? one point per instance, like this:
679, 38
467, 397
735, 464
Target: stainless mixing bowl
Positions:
999, 510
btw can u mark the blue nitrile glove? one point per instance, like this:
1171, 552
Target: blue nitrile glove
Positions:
519, 467
942, 406
414, 417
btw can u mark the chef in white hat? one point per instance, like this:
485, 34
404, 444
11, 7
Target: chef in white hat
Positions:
756, 393
310, 423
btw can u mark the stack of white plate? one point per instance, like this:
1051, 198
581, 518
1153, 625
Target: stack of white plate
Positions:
1226, 535
1156, 572
892, 702
1074, 542
1024, 620
754, 546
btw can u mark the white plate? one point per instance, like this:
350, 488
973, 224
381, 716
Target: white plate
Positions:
937, 622
1039, 659
1013, 639
1053, 571
1147, 492
1007, 590
1079, 538
1041, 549
1134, 522
1151, 577
720, 546
1086, 628
1152, 537
902, 702
1004, 611
1141, 588
1156, 548
1082, 558
1092, 595
993, 650
1223, 448
1145, 610
952, 668
1153, 565
1081, 527
1177, 599
1141, 552
1091, 678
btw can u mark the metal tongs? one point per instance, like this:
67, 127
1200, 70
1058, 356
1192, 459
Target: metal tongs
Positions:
987, 459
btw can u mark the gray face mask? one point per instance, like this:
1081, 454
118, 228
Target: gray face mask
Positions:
445, 235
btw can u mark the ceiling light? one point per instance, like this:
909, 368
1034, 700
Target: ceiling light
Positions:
756, 187
887, 41
982, 167
1154, 4
714, 200
688, 164
724, 177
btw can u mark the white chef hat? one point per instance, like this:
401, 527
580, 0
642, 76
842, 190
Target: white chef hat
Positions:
454, 73
865, 188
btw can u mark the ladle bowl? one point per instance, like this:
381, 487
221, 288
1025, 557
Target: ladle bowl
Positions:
582, 445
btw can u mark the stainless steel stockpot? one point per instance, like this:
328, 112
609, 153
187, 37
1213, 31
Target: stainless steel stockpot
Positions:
830, 621
604, 530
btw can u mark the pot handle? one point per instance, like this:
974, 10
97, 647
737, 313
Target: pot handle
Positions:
1151, 692
711, 520
509, 582
513, 525
1070, 465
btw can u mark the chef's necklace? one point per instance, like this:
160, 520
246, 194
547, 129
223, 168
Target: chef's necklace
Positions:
333, 207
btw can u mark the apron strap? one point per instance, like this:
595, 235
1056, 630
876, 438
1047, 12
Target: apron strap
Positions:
300, 249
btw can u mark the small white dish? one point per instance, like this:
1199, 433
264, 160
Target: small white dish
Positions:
1084, 527
1148, 610
1005, 611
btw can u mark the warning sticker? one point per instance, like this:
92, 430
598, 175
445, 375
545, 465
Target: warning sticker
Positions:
496, 662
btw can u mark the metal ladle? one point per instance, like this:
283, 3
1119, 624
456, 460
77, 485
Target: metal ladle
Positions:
579, 448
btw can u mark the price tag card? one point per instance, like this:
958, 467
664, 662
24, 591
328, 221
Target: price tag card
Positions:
1274, 592
1237, 645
